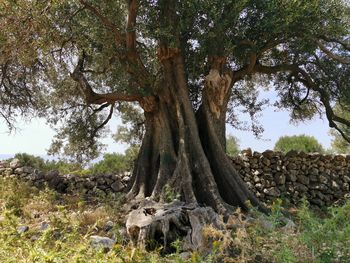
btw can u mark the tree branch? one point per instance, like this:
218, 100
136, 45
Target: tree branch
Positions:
332, 55
105, 121
346, 45
129, 57
92, 97
130, 28
120, 39
308, 82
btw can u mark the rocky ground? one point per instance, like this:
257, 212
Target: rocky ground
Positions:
48, 226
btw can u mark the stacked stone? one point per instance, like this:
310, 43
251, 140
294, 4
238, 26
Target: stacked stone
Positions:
321, 179
68, 183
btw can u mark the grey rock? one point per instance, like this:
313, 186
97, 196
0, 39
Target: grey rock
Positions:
51, 175
101, 181
280, 179
126, 179
55, 181
266, 161
268, 154
99, 242
264, 223
272, 191
24, 169
301, 188
259, 186
88, 184
108, 226
22, 229
247, 152
256, 178
346, 179
8, 172
303, 179
292, 166
335, 185
44, 225
323, 179
15, 163
288, 223
314, 171
3, 164
34, 238
117, 186
292, 175
291, 154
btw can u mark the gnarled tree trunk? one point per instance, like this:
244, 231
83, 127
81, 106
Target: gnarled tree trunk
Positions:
186, 150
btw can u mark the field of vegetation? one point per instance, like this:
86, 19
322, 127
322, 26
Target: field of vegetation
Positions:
44, 226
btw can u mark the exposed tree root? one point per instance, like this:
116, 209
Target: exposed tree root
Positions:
159, 225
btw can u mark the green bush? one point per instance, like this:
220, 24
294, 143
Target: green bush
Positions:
63, 167
116, 162
31, 160
39, 163
111, 163
232, 146
303, 143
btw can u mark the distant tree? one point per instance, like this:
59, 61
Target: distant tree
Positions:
115, 163
232, 146
30, 160
64, 167
41, 164
303, 143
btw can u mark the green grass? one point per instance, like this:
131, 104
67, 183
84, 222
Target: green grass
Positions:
73, 219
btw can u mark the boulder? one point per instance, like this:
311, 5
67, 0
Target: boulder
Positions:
100, 242
22, 229
117, 186
15, 163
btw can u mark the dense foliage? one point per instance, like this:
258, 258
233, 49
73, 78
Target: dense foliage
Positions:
303, 143
300, 46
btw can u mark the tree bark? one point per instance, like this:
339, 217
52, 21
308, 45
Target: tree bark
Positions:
186, 151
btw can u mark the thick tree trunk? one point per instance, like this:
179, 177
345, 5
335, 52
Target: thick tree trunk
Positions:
187, 152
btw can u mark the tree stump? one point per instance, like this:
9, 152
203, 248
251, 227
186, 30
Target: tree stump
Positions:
155, 225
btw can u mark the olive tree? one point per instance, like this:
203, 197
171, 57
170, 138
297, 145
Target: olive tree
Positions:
189, 65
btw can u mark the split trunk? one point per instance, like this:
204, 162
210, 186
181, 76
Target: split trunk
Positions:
183, 150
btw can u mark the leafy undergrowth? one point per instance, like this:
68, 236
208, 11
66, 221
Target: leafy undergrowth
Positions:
70, 220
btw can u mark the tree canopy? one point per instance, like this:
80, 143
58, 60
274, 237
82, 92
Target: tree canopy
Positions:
303, 143
49, 47
191, 66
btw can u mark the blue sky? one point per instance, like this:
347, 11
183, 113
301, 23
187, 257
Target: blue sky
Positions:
35, 137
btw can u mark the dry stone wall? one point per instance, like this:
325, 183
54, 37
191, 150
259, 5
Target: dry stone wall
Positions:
322, 179
68, 183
